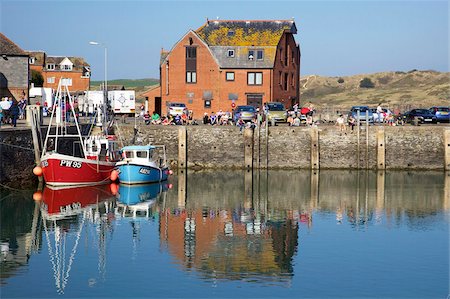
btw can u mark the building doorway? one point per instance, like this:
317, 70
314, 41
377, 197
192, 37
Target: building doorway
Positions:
254, 100
158, 105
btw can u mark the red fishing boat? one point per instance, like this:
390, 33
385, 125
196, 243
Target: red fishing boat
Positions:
91, 158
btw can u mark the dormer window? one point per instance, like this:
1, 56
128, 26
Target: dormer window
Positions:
66, 67
230, 33
251, 55
32, 60
50, 66
230, 53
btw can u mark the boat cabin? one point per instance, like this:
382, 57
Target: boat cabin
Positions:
102, 148
143, 154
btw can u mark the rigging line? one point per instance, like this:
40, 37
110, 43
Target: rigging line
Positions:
18, 146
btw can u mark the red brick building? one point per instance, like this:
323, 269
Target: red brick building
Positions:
228, 63
74, 70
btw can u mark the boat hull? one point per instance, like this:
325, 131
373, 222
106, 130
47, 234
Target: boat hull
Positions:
65, 170
141, 174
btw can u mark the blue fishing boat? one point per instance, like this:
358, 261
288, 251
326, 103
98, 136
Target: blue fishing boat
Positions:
142, 164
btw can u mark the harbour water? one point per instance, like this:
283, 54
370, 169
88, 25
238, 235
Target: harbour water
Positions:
223, 234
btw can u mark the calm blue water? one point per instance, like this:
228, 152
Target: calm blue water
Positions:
281, 234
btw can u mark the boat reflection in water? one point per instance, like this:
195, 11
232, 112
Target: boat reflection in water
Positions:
64, 213
137, 200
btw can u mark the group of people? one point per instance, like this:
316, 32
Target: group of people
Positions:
220, 118
179, 119
11, 110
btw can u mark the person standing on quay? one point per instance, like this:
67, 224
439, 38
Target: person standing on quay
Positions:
14, 112
379, 113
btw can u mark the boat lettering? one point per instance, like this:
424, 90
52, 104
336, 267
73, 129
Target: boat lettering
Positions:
70, 207
68, 163
44, 163
144, 171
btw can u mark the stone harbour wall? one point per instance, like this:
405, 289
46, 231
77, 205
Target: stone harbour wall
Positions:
281, 147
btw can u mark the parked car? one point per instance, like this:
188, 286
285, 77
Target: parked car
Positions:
422, 115
380, 118
246, 113
177, 109
363, 111
276, 113
442, 113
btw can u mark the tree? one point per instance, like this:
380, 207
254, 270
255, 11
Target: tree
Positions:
36, 78
366, 83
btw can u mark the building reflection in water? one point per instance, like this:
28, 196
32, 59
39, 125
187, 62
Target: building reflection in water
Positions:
245, 225
222, 225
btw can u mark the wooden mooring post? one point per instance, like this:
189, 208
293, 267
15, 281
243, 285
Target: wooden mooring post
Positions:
447, 150
248, 150
314, 132
182, 149
381, 150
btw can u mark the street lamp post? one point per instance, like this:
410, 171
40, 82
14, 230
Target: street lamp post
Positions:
105, 85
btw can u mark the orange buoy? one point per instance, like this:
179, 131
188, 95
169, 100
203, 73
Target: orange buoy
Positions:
37, 171
114, 175
37, 196
114, 188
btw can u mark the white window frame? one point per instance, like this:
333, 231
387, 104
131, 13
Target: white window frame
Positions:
66, 81
254, 78
191, 77
50, 66
229, 76
66, 67
32, 60
230, 53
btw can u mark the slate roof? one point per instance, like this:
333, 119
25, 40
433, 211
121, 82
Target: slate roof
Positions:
9, 48
243, 36
245, 33
39, 57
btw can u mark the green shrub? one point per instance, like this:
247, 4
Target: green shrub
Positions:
36, 78
340, 80
366, 83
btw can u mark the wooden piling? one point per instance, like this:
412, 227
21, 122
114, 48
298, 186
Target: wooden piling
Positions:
248, 189
36, 143
381, 150
447, 150
248, 150
367, 139
381, 181
358, 131
182, 184
182, 148
314, 196
314, 132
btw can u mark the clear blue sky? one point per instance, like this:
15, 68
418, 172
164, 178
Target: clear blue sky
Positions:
337, 38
